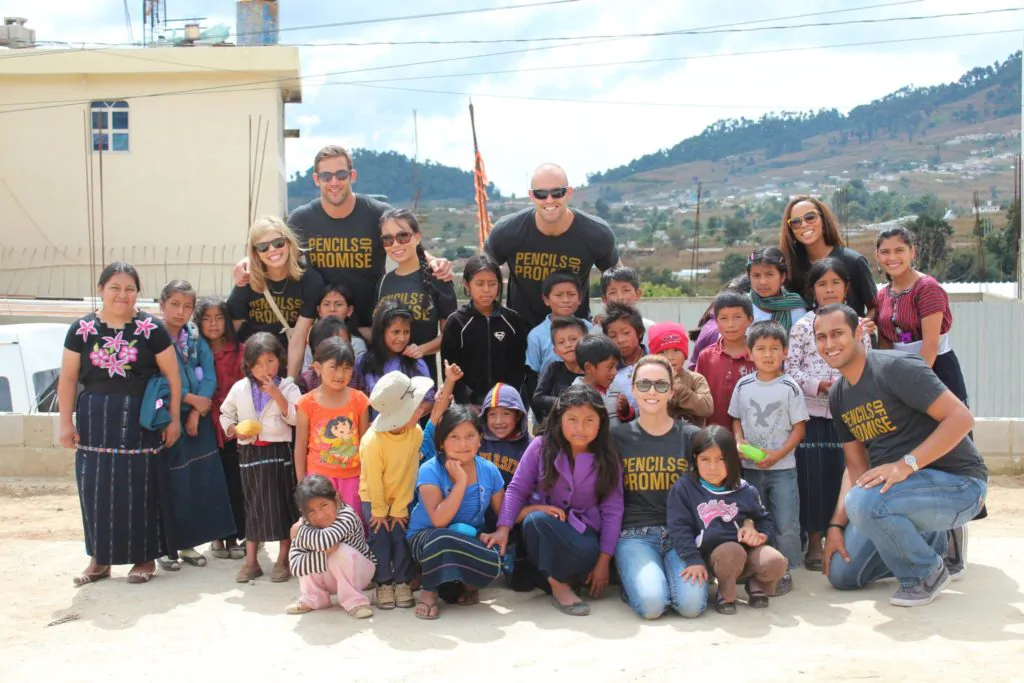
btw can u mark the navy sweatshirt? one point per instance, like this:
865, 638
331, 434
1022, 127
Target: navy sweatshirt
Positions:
700, 520
489, 349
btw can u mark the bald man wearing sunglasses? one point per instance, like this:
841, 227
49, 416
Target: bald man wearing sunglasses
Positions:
546, 237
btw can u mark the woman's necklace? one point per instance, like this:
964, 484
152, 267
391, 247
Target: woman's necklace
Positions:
284, 285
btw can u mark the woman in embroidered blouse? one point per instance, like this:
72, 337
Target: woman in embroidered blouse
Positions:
119, 466
574, 474
819, 457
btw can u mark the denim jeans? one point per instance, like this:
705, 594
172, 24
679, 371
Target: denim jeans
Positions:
902, 532
781, 495
649, 568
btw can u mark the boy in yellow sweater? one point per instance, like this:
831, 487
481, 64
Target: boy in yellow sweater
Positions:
390, 455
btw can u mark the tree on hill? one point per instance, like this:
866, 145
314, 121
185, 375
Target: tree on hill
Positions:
732, 265
735, 230
931, 237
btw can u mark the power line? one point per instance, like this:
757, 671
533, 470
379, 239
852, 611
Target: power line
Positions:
242, 87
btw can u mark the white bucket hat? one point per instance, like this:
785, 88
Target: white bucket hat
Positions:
396, 397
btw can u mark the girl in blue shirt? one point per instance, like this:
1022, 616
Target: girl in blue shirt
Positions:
455, 489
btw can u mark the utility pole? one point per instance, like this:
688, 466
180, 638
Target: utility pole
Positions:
415, 162
979, 259
695, 257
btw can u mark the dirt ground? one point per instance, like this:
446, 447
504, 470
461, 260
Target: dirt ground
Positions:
200, 623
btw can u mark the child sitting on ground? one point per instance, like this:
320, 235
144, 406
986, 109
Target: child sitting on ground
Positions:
691, 396
566, 332
329, 552
599, 358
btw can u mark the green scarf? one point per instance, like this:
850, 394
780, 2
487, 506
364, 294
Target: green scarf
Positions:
779, 306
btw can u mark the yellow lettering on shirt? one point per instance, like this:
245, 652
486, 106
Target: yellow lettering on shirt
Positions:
652, 473
261, 313
537, 265
868, 421
419, 304
355, 253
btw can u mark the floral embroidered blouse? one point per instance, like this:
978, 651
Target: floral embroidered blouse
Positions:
808, 368
117, 361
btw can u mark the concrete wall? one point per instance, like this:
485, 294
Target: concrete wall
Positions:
30, 446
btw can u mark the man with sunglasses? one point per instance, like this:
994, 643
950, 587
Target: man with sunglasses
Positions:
546, 237
341, 233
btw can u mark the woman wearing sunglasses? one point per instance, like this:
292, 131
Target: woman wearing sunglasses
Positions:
654, 450
281, 296
810, 232
413, 285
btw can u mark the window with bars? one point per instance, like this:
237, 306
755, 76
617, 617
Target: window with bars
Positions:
110, 126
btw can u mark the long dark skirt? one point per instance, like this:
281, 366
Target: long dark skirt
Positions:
199, 493
819, 472
268, 481
233, 478
947, 369
122, 477
447, 557
557, 549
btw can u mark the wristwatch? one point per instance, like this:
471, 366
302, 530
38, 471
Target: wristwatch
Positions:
912, 461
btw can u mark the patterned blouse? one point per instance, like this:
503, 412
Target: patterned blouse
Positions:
900, 313
808, 368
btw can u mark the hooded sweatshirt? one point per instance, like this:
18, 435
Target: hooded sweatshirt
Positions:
505, 453
700, 520
489, 349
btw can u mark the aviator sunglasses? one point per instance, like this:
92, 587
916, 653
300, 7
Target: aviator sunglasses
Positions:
809, 217
402, 238
556, 192
660, 385
276, 243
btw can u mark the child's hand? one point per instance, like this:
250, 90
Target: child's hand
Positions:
868, 326
377, 522
771, 457
551, 511
749, 536
498, 538
599, 576
295, 529
456, 471
695, 573
192, 423
268, 385
823, 387
452, 374
398, 521
230, 432
413, 351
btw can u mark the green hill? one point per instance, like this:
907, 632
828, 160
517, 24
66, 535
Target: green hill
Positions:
392, 174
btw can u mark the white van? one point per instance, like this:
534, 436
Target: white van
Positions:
30, 356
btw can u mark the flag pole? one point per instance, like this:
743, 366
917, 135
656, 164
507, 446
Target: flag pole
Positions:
483, 221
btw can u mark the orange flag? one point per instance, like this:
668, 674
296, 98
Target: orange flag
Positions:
483, 220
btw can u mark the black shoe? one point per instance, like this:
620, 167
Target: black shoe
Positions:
723, 607
784, 585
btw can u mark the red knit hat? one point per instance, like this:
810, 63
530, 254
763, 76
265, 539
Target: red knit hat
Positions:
663, 336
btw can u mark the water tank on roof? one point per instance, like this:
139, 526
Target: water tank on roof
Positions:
256, 23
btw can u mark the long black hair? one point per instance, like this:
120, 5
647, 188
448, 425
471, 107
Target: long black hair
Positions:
346, 294
377, 352
408, 219
204, 305
117, 268
259, 344
480, 263
606, 459
899, 232
820, 269
312, 487
452, 418
718, 436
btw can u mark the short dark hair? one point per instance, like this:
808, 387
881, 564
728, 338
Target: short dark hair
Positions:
562, 322
767, 329
557, 278
177, 287
336, 349
718, 436
325, 328
256, 346
619, 274
730, 299
312, 487
851, 317
482, 263
617, 311
596, 348
204, 305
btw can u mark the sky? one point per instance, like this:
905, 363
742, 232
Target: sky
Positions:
586, 118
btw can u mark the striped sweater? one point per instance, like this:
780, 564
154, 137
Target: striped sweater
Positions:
308, 554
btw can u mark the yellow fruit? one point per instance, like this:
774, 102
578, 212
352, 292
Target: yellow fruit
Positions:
248, 428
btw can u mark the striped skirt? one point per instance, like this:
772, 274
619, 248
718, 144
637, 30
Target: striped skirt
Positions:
268, 482
122, 478
199, 491
446, 557
820, 464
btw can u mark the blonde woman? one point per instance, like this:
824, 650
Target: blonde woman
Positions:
282, 295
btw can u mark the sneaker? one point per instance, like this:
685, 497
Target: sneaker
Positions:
298, 607
783, 585
385, 596
361, 612
924, 592
956, 553
403, 595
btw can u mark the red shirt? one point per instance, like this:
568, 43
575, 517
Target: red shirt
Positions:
904, 310
228, 364
722, 372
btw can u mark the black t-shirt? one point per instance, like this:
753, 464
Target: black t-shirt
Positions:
650, 465
408, 290
346, 250
887, 410
295, 299
118, 362
532, 256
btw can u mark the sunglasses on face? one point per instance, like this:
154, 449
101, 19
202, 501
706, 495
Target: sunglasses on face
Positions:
401, 238
809, 217
660, 385
556, 192
326, 176
276, 243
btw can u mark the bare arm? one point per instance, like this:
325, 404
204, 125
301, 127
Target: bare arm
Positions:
297, 345
930, 326
441, 510
955, 422
301, 443
67, 387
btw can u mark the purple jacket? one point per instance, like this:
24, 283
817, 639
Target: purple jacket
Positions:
575, 491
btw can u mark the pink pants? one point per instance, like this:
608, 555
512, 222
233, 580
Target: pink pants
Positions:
348, 491
348, 573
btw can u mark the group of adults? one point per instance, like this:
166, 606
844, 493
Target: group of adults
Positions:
902, 419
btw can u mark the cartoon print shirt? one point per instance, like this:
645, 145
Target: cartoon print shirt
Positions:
768, 411
333, 435
121, 361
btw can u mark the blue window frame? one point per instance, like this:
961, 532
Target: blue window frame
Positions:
110, 129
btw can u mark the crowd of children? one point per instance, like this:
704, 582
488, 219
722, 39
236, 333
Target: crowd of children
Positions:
368, 480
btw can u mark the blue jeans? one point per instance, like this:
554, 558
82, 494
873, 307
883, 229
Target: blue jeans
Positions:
781, 495
902, 532
649, 568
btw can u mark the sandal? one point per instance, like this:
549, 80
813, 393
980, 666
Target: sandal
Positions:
723, 607
138, 575
168, 565
236, 552
87, 577
813, 564
247, 574
218, 550
192, 557
576, 609
432, 612
297, 607
360, 612
280, 574
756, 598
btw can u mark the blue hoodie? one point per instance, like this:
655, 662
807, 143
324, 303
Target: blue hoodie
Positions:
505, 453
